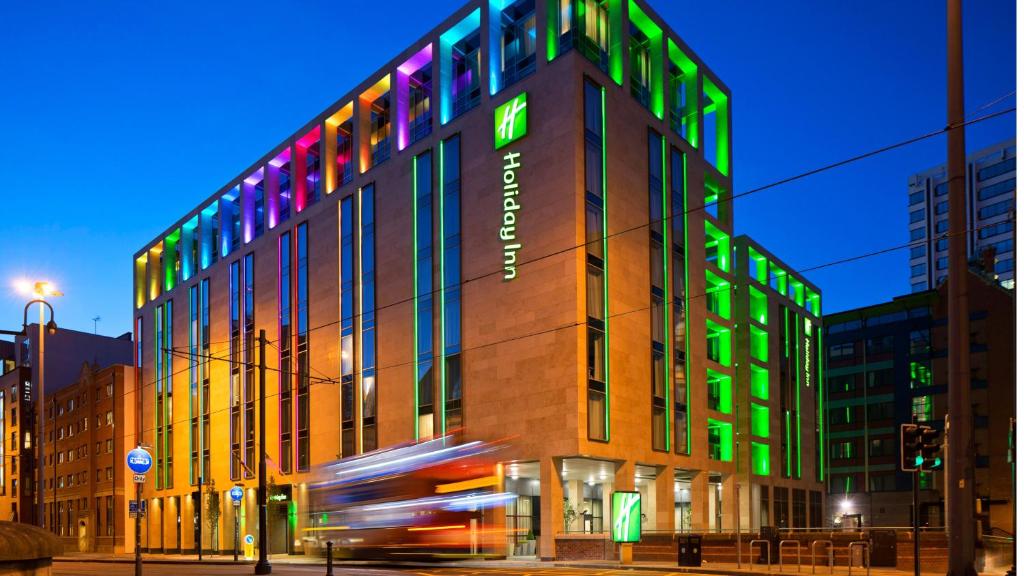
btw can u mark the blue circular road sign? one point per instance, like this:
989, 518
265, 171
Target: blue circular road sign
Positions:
236, 493
249, 539
139, 461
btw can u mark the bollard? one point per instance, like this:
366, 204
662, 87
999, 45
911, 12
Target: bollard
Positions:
330, 558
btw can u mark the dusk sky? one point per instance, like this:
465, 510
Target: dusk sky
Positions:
119, 117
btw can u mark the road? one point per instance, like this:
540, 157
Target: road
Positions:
122, 569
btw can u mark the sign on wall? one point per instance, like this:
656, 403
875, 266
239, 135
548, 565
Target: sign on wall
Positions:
510, 125
510, 121
626, 517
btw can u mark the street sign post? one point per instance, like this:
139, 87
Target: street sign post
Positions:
250, 545
139, 462
236, 494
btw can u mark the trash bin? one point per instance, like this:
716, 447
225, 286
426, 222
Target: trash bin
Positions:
689, 550
883, 548
771, 534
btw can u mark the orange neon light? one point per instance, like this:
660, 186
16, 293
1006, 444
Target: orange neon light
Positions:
467, 484
433, 528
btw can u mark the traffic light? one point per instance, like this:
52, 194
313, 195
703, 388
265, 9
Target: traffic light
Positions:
931, 447
910, 447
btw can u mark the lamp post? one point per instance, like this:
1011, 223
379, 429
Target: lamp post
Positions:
40, 290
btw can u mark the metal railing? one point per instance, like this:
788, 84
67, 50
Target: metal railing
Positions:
795, 543
767, 546
830, 554
867, 555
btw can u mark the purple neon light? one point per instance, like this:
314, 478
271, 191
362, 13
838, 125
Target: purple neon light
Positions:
408, 68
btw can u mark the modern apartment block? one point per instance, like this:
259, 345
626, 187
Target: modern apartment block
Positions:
991, 189
65, 352
519, 228
85, 454
887, 366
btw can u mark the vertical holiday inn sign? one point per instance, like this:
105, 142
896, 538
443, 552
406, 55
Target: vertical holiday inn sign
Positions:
510, 124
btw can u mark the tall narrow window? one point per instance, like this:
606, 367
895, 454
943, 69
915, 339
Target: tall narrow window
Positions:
716, 126
307, 165
660, 337
459, 58
158, 354
285, 376
368, 303
302, 345
165, 402
682, 72
597, 304
680, 303
235, 355
343, 159
347, 332
193, 383
249, 340
423, 273
204, 375
338, 148
451, 275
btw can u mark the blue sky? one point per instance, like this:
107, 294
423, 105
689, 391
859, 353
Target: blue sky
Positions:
118, 116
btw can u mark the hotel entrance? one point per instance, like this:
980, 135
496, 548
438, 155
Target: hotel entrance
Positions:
522, 514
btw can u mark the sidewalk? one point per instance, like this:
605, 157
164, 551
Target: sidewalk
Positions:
661, 567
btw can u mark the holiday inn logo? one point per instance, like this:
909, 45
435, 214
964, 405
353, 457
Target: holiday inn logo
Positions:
510, 121
626, 516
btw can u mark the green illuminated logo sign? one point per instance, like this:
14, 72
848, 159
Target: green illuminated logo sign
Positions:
510, 121
625, 517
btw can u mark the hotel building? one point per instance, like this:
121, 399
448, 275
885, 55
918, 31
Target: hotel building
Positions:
520, 228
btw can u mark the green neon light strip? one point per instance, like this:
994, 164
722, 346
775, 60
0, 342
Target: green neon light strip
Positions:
789, 447
821, 415
799, 414
669, 347
444, 375
604, 276
415, 305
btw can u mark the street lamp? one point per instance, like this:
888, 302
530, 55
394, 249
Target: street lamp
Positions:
39, 290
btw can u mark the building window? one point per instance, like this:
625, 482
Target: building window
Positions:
916, 197
367, 299
998, 169
347, 323
660, 337
465, 74
682, 94
423, 273
285, 339
516, 51
249, 355
597, 384
418, 85
450, 237
680, 295
235, 378
302, 344
917, 216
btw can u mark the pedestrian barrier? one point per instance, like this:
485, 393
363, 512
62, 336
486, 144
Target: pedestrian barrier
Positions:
767, 546
867, 555
795, 543
830, 555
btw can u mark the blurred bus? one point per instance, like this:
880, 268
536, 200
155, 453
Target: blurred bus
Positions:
431, 500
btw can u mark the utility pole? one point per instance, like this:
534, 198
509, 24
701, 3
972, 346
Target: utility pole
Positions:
960, 523
263, 564
199, 520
